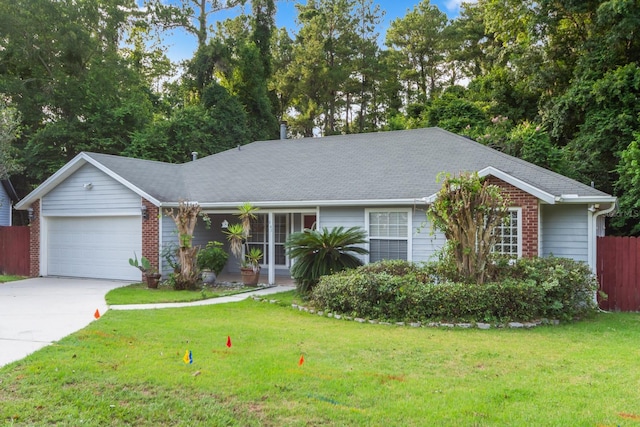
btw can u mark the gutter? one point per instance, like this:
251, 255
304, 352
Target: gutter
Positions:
296, 204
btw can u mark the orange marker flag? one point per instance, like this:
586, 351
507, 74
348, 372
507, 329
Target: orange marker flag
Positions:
301, 361
229, 341
96, 314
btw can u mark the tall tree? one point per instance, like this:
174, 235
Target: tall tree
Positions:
628, 185
62, 67
418, 37
469, 43
244, 73
263, 23
192, 15
323, 59
9, 131
281, 86
215, 123
367, 68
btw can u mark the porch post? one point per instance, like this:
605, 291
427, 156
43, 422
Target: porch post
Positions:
272, 249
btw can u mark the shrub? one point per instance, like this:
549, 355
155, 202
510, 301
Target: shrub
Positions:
318, 253
569, 285
401, 291
212, 257
375, 295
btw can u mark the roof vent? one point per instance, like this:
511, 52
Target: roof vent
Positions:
283, 130
194, 156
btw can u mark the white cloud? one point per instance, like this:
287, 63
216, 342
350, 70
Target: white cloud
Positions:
454, 5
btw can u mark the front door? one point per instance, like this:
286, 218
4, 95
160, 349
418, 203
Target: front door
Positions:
260, 237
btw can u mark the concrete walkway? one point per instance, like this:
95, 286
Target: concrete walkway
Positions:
210, 301
37, 312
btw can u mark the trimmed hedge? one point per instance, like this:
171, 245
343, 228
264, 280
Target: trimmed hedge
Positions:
400, 291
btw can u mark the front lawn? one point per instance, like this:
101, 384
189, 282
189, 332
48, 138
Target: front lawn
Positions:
127, 369
139, 293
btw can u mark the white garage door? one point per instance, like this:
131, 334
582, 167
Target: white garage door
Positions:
96, 247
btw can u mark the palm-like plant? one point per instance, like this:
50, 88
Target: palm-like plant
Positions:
238, 235
318, 253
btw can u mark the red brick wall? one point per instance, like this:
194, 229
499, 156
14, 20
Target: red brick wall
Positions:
34, 247
151, 233
529, 205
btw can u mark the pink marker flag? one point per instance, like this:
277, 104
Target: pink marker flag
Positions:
229, 341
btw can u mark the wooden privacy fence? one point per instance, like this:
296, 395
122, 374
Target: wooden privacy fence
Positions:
14, 250
619, 272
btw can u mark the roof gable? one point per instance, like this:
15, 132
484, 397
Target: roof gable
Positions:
9, 190
101, 163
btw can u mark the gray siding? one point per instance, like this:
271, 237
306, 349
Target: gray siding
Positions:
201, 236
426, 243
346, 217
168, 239
5, 207
105, 197
564, 231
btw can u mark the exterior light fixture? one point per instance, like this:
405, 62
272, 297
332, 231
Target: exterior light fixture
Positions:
88, 186
225, 224
145, 214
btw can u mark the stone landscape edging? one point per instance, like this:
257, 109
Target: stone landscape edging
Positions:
460, 325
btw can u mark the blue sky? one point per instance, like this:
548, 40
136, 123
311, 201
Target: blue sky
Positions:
182, 46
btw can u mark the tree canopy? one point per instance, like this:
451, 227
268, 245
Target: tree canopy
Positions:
553, 82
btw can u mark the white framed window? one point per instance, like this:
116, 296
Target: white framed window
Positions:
389, 233
260, 236
510, 234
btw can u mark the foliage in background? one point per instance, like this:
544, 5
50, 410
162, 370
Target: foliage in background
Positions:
467, 210
72, 85
319, 253
9, 132
629, 183
552, 288
555, 83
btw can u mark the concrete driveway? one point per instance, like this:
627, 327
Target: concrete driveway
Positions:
36, 312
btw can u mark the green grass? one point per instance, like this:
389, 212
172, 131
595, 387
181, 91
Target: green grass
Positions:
127, 369
139, 293
10, 278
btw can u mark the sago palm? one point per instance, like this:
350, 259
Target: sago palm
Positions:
318, 253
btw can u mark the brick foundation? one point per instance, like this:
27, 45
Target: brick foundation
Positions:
529, 206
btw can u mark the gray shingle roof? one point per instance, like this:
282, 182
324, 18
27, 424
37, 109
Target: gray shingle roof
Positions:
396, 165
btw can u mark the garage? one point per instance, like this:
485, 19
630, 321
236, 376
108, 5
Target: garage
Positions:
95, 247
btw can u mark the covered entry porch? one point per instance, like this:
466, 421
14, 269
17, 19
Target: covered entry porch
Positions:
269, 232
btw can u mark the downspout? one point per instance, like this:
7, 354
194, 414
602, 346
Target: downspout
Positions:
593, 242
593, 216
